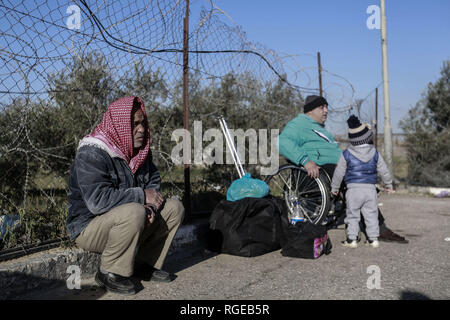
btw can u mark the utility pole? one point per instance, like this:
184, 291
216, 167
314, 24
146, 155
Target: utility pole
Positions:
388, 154
186, 146
376, 118
320, 74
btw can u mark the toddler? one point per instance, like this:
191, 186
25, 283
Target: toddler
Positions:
359, 166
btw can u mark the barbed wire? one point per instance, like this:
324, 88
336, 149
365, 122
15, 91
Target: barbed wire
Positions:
63, 62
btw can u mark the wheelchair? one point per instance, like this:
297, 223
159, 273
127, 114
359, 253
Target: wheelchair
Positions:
311, 196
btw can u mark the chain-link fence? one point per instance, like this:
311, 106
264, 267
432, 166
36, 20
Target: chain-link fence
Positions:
63, 62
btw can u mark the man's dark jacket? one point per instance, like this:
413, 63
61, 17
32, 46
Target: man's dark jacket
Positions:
100, 180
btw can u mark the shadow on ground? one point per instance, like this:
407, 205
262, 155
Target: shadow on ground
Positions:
18, 286
413, 295
187, 258
26, 287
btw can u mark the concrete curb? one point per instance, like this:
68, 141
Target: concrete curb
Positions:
49, 268
424, 191
437, 192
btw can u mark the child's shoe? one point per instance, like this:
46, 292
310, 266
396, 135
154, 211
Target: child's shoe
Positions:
350, 243
358, 238
373, 243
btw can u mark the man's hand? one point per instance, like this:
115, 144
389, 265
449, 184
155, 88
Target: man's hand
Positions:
150, 215
335, 193
313, 169
153, 198
389, 191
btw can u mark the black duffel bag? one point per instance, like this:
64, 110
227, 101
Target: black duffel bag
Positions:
248, 227
304, 240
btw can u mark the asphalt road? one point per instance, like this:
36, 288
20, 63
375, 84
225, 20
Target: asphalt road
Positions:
417, 270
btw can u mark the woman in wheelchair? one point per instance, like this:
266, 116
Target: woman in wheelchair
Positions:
305, 181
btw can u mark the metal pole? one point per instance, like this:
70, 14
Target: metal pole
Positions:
186, 147
232, 147
387, 120
376, 118
320, 74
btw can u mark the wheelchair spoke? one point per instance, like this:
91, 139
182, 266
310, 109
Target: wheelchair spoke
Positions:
296, 182
276, 182
300, 192
289, 178
305, 176
283, 184
303, 179
313, 202
311, 181
316, 200
306, 214
309, 191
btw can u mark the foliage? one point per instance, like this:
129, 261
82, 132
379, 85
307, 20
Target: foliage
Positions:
428, 134
40, 137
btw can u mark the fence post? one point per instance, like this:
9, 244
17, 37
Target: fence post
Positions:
186, 147
376, 118
320, 74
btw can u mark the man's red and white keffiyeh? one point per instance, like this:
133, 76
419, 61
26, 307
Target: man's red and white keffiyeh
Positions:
115, 130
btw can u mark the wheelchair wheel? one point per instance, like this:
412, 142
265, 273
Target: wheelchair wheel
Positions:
300, 192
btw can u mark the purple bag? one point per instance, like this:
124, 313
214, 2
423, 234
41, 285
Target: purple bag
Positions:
320, 244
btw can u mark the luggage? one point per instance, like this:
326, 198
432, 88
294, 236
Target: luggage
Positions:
305, 240
251, 223
248, 227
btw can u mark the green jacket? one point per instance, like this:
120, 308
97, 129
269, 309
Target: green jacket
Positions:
304, 139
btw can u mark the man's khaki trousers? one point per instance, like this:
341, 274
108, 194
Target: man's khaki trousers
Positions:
122, 235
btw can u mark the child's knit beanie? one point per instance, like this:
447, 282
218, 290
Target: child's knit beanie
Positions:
359, 133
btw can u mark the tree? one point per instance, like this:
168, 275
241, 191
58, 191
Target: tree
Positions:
81, 93
153, 90
16, 164
428, 134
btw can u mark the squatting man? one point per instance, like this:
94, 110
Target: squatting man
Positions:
115, 204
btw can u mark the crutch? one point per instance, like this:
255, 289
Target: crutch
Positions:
231, 146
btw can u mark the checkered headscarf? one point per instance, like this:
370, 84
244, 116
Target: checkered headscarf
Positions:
115, 131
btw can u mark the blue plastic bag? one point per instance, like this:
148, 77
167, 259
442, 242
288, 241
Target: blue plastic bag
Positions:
247, 187
8, 222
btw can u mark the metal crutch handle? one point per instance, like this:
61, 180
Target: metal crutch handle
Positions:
231, 147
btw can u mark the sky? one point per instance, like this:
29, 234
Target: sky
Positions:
418, 39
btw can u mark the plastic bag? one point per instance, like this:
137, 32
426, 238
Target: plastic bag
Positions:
8, 222
247, 187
